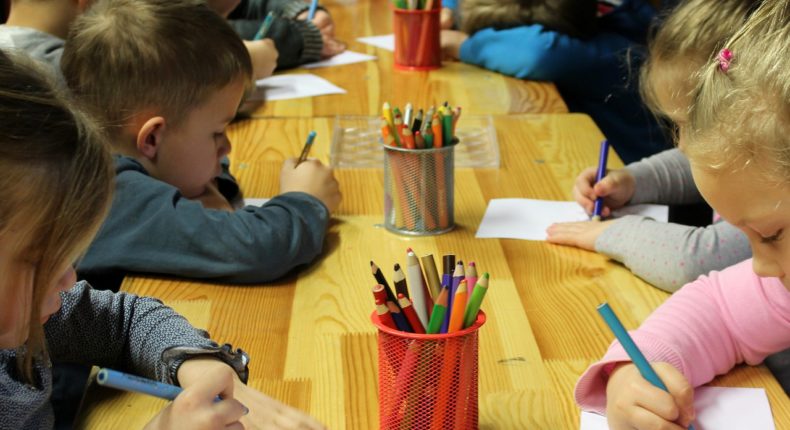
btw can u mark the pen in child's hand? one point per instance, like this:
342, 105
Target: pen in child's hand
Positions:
138, 384
311, 11
639, 360
306, 150
602, 159
264, 30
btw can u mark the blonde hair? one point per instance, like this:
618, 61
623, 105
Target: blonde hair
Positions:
125, 56
56, 181
689, 35
741, 113
570, 17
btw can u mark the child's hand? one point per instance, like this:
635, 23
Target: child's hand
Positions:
313, 178
268, 413
446, 19
581, 234
195, 408
264, 57
451, 43
331, 47
634, 403
213, 199
323, 21
617, 188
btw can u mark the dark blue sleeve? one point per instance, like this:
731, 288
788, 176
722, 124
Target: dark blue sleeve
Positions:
631, 20
151, 228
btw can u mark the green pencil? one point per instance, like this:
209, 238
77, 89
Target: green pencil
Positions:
473, 307
439, 311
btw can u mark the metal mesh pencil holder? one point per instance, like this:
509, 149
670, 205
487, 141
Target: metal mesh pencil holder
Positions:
418, 190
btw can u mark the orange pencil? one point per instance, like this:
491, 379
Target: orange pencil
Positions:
458, 309
436, 127
408, 310
408, 138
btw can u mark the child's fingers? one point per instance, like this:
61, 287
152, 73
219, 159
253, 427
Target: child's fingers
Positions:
682, 392
231, 410
644, 419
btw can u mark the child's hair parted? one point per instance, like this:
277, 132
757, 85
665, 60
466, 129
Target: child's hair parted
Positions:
687, 36
740, 112
56, 182
571, 17
126, 56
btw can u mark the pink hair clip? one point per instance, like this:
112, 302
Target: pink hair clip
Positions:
725, 56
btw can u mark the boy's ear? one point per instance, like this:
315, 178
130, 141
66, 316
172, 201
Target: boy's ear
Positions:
149, 137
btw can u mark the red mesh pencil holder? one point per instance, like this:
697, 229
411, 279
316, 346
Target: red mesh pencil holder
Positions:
417, 34
428, 381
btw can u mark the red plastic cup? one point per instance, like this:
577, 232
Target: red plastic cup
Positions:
428, 381
417, 44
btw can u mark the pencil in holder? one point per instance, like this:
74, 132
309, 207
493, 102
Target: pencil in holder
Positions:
428, 381
417, 34
418, 190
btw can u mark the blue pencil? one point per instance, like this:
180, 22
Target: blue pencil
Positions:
264, 30
602, 161
311, 11
631, 349
306, 149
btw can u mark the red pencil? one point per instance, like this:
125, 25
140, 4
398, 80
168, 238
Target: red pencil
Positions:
408, 310
384, 315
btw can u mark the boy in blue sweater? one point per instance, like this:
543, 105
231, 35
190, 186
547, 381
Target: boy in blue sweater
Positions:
590, 51
166, 78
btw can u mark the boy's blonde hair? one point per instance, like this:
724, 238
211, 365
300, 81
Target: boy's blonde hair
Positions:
56, 183
741, 106
689, 35
126, 56
571, 17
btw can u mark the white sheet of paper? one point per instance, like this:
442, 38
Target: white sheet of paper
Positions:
255, 201
346, 57
294, 86
718, 408
528, 218
386, 41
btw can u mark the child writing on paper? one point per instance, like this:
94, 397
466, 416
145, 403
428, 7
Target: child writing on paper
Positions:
589, 58
665, 255
738, 144
298, 39
50, 156
166, 98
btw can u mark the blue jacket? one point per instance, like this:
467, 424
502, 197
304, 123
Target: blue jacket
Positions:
151, 228
597, 76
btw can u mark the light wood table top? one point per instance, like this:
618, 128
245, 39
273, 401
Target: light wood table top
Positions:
310, 337
372, 83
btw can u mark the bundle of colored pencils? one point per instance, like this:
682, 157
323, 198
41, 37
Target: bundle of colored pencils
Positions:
433, 128
417, 4
425, 303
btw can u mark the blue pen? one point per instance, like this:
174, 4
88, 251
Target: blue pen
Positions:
311, 11
138, 384
267, 23
631, 349
602, 160
306, 149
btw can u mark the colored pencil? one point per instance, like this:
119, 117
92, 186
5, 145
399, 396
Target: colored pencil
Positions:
459, 307
399, 279
411, 315
475, 300
418, 290
471, 277
439, 310
431, 275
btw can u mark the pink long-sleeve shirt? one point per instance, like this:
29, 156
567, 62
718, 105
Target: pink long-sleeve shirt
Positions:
704, 329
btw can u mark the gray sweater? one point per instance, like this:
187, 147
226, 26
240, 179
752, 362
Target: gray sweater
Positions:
152, 228
298, 42
670, 255
37, 44
115, 330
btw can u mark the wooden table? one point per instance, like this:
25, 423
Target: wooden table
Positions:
310, 337
372, 83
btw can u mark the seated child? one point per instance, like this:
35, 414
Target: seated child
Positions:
297, 39
665, 255
50, 156
39, 28
590, 63
738, 143
166, 77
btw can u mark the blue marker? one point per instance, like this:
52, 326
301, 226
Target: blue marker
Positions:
306, 149
311, 11
631, 349
124, 381
264, 30
602, 160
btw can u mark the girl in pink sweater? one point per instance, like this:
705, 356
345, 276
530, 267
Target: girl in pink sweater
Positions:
738, 142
